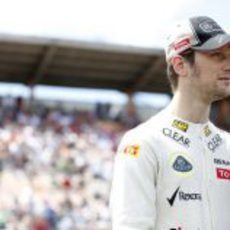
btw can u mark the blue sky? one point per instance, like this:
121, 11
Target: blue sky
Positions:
143, 23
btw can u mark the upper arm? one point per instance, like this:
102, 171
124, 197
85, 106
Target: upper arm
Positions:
133, 189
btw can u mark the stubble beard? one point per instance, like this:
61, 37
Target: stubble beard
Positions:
221, 95
215, 92
222, 91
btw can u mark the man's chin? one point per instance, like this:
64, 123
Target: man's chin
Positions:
221, 96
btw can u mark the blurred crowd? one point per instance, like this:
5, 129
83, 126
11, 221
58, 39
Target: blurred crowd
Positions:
56, 166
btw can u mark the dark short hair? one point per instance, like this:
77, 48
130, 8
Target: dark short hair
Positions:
189, 56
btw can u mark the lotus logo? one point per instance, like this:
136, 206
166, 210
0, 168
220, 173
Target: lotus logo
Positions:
182, 165
210, 26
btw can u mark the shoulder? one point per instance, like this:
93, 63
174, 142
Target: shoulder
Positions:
222, 132
225, 136
145, 130
144, 135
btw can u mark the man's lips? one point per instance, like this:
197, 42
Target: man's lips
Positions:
224, 78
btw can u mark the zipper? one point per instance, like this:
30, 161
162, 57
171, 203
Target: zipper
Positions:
206, 179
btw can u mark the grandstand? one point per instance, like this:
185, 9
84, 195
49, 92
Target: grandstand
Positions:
32, 61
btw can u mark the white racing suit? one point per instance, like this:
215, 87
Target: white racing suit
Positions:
170, 174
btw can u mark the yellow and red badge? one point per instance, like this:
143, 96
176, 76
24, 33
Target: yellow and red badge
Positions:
132, 150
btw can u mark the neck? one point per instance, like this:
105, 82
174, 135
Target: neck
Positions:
189, 108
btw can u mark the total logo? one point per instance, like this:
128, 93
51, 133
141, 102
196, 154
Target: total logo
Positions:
223, 174
182, 196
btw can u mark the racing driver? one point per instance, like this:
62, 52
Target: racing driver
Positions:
173, 171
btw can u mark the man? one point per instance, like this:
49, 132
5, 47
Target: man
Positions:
173, 171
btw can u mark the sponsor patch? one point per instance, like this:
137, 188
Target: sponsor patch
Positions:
215, 142
181, 164
179, 228
221, 162
132, 150
180, 125
171, 200
223, 174
207, 131
185, 43
210, 26
183, 196
177, 137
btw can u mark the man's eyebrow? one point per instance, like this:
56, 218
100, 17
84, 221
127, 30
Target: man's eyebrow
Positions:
221, 50
227, 47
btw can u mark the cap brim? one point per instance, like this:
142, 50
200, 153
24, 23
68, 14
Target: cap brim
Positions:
214, 43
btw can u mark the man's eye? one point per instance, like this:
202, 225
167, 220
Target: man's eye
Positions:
218, 55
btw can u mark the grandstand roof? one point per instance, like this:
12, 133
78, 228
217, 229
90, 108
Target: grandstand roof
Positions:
33, 60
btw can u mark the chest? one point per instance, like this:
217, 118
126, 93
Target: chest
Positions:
192, 157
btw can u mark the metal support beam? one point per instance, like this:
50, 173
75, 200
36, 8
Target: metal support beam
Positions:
42, 66
144, 78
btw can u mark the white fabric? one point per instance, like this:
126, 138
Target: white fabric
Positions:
144, 184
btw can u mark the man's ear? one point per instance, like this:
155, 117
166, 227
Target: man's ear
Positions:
179, 65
